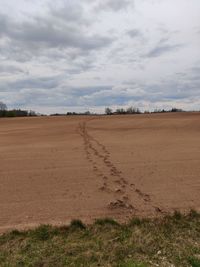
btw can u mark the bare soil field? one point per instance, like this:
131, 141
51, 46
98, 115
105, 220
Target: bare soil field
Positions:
55, 169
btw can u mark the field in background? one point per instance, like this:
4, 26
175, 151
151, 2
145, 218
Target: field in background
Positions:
55, 169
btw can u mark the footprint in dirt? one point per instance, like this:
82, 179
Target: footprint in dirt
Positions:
146, 197
98, 154
120, 204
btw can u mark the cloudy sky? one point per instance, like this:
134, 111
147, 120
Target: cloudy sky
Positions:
64, 55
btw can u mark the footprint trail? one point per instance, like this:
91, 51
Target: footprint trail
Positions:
113, 181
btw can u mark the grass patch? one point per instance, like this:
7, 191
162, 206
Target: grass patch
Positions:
136, 221
42, 232
177, 215
132, 264
106, 221
77, 224
194, 262
170, 241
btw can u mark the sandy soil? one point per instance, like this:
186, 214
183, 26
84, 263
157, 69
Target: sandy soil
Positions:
54, 169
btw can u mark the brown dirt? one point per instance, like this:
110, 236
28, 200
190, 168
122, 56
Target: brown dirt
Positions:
54, 169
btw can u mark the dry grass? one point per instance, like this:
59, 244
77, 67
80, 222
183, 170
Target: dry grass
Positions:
170, 241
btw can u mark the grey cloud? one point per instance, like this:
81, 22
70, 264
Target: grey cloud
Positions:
196, 69
3, 24
71, 11
89, 90
191, 76
40, 34
31, 83
134, 33
44, 93
45, 32
8, 69
161, 49
181, 74
113, 5
168, 90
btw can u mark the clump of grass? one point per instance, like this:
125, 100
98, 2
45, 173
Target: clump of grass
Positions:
77, 224
194, 214
42, 233
177, 215
194, 262
16, 233
131, 263
135, 221
106, 221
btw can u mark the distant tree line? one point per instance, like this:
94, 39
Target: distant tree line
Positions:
73, 113
132, 110
170, 110
118, 111
121, 111
4, 112
79, 113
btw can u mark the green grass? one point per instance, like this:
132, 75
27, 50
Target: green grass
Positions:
170, 241
194, 262
106, 221
77, 224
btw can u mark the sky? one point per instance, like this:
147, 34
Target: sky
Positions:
79, 55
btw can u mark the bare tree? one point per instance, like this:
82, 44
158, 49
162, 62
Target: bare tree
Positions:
3, 106
108, 111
